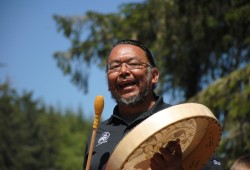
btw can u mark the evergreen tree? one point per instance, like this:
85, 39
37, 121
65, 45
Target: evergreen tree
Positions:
36, 137
229, 99
195, 42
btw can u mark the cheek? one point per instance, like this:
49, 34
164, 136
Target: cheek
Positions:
111, 81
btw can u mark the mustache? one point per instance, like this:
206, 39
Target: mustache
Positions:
118, 84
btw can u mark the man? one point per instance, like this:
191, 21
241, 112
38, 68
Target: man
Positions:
132, 76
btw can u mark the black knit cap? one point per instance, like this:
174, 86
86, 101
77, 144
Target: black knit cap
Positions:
140, 45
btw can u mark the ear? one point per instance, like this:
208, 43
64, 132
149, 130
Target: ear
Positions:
155, 75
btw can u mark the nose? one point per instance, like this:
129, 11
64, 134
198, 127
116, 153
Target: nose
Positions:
124, 67
124, 71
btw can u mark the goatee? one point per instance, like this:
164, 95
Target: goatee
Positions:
133, 100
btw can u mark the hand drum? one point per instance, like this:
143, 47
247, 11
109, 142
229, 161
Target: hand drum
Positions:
194, 124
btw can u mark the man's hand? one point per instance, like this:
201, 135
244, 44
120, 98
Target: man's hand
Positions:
169, 158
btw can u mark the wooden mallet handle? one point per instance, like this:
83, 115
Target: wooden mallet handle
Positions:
99, 104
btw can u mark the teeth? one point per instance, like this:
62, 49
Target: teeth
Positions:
127, 84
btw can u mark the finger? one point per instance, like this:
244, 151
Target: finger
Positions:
172, 145
178, 151
166, 153
172, 148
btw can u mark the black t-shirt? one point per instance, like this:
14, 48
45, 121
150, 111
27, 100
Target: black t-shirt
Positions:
112, 130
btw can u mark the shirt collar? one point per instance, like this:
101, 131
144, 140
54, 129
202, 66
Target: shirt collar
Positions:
115, 116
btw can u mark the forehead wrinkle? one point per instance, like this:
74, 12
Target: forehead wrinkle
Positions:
124, 59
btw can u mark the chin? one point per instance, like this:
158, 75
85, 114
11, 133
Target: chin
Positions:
128, 96
131, 100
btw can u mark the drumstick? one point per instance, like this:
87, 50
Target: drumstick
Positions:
99, 104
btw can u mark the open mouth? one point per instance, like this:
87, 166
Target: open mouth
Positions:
124, 85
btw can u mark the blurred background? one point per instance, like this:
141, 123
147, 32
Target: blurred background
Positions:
52, 66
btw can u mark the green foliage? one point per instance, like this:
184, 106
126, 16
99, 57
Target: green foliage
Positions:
229, 99
195, 42
34, 137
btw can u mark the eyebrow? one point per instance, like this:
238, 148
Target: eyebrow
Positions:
129, 59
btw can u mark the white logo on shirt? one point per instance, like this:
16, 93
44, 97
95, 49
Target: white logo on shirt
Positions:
103, 138
216, 162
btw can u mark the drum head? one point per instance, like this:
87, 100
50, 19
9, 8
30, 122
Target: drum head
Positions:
193, 124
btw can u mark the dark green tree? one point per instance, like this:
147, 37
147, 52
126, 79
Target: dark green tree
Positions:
34, 136
73, 136
229, 99
194, 42
26, 143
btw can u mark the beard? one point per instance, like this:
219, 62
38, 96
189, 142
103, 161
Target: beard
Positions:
137, 98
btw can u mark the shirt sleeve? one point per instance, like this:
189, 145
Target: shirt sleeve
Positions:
85, 158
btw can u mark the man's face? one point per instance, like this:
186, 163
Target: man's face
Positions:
130, 86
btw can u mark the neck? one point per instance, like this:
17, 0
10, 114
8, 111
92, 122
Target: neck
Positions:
136, 109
